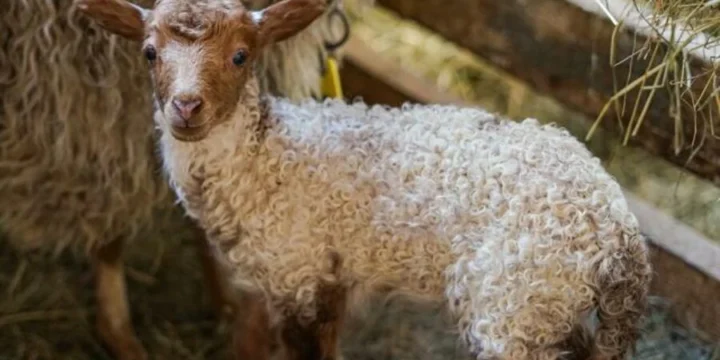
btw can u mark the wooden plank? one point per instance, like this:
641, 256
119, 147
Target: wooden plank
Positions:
391, 74
693, 294
563, 51
359, 83
687, 275
676, 237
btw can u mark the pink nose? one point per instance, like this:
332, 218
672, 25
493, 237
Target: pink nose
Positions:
186, 108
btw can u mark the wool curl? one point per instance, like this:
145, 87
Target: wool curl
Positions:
516, 226
77, 166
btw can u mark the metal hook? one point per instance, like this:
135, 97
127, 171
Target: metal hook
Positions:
336, 12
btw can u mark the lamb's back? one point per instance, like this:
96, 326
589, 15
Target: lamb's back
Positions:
442, 165
401, 192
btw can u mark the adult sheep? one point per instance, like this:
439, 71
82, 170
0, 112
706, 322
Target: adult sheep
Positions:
77, 167
516, 227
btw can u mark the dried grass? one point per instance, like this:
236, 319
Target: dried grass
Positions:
676, 26
698, 14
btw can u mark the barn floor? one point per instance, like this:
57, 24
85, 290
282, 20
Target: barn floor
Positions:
46, 312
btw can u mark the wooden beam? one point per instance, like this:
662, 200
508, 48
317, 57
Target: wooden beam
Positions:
693, 295
563, 51
686, 264
394, 76
677, 238
686, 267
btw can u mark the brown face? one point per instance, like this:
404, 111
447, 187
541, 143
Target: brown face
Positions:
199, 73
200, 52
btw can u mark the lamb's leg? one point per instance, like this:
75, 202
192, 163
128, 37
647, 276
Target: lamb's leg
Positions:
113, 318
253, 337
221, 294
319, 340
541, 326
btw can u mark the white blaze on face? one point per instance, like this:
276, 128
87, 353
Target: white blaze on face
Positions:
185, 62
257, 16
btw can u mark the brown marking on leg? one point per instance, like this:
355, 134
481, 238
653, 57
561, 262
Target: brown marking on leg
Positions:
253, 337
319, 340
578, 345
221, 295
332, 319
113, 319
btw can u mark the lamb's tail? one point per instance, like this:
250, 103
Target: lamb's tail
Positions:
622, 279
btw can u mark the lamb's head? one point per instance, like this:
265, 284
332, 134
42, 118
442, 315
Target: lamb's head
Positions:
201, 52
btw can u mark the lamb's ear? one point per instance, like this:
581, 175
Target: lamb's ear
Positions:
286, 18
116, 16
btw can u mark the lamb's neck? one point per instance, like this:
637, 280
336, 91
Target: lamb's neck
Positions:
218, 176
247, 124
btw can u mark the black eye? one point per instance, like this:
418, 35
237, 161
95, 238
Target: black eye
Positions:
150, 53
239, 58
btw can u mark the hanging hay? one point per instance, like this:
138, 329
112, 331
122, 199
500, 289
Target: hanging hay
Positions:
698, 15
682, 36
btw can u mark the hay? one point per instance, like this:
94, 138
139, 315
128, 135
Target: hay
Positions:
46, 305
681, 32
698, 14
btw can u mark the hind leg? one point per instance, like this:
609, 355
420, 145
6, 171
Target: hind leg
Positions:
623, 279
530, 321
113, 318
619, 318
535, 334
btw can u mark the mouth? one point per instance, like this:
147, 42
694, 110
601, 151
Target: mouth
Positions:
190, 134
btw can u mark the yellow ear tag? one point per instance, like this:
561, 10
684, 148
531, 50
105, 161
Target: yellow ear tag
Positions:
330, 83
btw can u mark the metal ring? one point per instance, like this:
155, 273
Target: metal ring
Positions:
336, 12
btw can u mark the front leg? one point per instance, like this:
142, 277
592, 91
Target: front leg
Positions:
253, 336
113, 318
320, 339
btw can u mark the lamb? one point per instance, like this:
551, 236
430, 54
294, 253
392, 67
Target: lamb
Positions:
316, 206
77, 165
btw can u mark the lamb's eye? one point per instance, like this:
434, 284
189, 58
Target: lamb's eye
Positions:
150, 53
239, 58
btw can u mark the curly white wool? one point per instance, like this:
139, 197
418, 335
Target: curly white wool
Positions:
516, 225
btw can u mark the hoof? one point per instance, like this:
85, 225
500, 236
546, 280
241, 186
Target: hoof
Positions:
123, 344
133, 350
